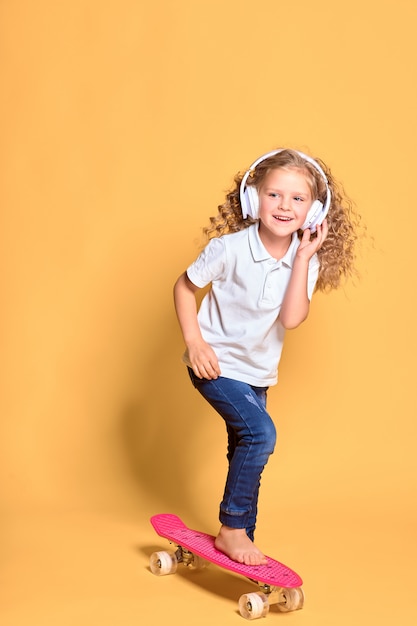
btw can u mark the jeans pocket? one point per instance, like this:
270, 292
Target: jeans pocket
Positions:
192, 376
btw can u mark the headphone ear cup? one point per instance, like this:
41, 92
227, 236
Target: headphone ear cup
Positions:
314, 217
250, 203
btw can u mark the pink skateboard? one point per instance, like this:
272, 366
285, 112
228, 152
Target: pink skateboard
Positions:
278, 584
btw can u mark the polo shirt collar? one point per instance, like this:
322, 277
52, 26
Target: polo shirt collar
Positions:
260, 253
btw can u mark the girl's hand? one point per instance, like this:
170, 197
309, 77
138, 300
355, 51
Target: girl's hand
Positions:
203, 360
308, 247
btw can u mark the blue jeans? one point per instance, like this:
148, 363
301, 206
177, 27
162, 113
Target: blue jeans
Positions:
251, 440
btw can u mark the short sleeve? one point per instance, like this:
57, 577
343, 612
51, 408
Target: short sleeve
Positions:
209, 265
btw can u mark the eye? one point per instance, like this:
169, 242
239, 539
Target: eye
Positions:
299, 199
272, 194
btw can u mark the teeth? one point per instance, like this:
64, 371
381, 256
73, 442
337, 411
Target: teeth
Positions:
284, 219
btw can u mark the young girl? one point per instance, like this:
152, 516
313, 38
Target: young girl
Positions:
284, 230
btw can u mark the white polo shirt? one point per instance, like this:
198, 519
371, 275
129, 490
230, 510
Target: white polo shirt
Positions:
238, 317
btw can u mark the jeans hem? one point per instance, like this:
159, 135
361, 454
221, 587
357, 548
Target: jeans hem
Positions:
236, 520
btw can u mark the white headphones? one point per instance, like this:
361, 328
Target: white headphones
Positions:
249, 199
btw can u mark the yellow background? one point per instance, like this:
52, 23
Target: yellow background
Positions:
122, 124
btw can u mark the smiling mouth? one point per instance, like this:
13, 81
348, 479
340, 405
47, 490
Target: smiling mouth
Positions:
282, 218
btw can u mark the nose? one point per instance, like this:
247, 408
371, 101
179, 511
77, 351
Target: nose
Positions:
284, 204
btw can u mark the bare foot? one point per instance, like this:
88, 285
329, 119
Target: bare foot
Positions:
235, 543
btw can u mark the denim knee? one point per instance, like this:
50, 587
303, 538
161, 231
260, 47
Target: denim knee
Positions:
270, 435
264, 435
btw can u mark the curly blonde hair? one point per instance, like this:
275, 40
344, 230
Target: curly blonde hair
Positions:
338, 253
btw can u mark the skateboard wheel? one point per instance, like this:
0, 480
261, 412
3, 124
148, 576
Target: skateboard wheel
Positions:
163, 563
291, 600
253, 605
197, 563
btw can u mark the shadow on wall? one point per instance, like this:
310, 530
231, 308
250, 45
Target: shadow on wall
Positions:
161, 427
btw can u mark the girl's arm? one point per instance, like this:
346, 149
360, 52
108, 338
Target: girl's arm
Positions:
202, 357
296, 305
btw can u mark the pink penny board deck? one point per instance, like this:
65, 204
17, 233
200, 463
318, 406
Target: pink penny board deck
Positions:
173, 528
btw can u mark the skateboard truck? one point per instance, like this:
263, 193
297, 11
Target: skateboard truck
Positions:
190, 559
256, 604
163, 563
